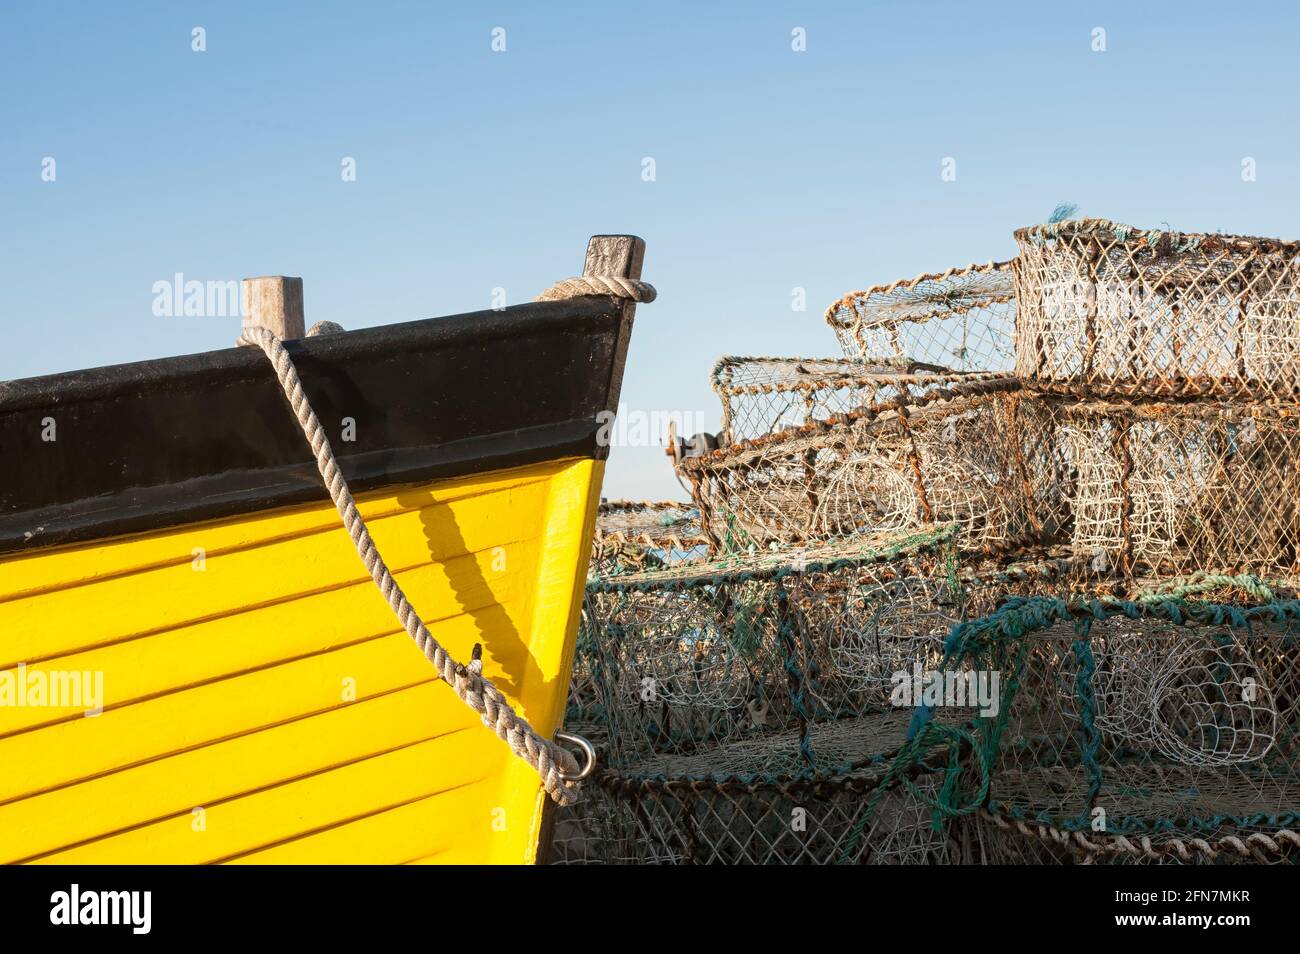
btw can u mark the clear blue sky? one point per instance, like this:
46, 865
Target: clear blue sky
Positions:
477, 169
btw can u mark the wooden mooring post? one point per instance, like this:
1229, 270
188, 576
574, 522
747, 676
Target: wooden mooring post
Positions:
274, 302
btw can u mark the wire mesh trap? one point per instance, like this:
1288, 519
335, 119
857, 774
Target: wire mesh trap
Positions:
1157, 719
960, 320
968, 452
749, 706
764, 395
630, 537
639, 535
707, 655
1178, 488
1125, 508
1108, 308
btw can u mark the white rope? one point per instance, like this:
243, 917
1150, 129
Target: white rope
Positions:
628, 288
555, 764
551, 761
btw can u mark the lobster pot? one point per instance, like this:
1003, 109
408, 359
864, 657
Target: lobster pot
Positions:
698, 809
735, 653
631, 536
1105, 307
963, 319
1045, 570
762, 396
1153, 717
846, 819
640, 535
1176, 489
960, 454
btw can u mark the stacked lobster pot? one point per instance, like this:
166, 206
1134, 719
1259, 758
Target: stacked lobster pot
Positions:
1071, 479
1170, 367
1159, 729
747, 706
631, 537
920, 423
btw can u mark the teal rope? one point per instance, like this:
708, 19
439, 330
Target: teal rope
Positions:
1083, 686
980, 639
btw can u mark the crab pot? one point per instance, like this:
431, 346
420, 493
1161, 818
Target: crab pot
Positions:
630, 536
1045, 570
775, 645
762, 396
1181, 488
1107, 308
639, 535
845, 819
972, 454
963, 319
1154, 718
756, 801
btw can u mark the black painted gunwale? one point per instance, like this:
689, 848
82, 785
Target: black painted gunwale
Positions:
158, 444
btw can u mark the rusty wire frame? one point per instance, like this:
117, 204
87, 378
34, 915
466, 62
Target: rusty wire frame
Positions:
962, 319
962, 449
763, 396
1106, 309
1143, 460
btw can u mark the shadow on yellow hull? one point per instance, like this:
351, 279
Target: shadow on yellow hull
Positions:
260, 702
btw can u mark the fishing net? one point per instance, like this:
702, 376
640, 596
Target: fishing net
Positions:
966, 452
638, 535
748, 704
959, 320
1108, 308
764, 395
712, 654
1178, 488
1109, 676
630, 537
1168, 723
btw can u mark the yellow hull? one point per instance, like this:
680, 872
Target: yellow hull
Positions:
260, 702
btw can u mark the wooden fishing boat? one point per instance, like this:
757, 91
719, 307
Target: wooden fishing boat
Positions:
195, 666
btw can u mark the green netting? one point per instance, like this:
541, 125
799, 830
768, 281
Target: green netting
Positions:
1157, 718
765, 646
745, 706
1105, 678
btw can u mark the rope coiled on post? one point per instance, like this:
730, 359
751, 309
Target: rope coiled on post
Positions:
553, 763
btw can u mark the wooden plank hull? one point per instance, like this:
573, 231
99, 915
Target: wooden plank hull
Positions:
259, 701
